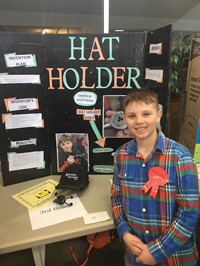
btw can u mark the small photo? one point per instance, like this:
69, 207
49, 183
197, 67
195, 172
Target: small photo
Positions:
72, 148
114, 125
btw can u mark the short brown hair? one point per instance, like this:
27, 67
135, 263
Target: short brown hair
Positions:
65, 138
141, 95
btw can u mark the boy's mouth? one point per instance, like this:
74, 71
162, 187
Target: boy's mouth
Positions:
140, 128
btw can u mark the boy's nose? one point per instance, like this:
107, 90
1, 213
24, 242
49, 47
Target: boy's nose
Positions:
139, 120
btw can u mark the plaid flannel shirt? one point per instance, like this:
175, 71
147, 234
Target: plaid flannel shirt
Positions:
167, 222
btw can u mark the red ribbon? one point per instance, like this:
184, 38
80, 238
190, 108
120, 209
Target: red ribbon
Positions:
157, 177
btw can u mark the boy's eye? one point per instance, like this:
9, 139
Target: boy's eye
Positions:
147, 113
131, 116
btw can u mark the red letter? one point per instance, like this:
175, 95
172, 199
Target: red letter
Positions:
55, 78
101, 57
84, 86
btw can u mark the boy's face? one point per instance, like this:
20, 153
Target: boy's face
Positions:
66, 146
142, 119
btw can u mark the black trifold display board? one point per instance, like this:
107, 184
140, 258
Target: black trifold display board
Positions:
69, 88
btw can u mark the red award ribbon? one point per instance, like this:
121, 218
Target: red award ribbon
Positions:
157, 177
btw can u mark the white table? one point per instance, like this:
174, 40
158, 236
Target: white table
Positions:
15, 227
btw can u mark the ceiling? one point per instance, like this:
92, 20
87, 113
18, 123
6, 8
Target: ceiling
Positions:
24, 15
136, 8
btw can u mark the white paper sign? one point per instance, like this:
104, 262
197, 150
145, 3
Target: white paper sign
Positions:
18, 143
14, 104
54, 213
23, 120
96, 217
154, 74
18, 79
25, 60
155, 48
26, 160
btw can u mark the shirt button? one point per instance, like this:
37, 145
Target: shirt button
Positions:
147, 231
143, 165
144, 210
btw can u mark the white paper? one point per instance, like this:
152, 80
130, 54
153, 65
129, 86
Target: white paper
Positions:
154, 74
25, 60
96, 217
18, 79
26, 160
21, 104
23, 121
54, 213
18, 143
155, 48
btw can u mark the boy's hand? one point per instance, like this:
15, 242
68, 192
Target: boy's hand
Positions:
129, 239
70, 159
145, 256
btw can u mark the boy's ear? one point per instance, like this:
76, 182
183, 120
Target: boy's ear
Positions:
159, 119
161, 109
160, 113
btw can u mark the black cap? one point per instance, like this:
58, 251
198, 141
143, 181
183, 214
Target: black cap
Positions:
74, 177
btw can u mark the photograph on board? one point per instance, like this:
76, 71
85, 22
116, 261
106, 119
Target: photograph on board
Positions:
72, 148
114, 125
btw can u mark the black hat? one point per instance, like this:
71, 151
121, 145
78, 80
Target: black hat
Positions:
74, 177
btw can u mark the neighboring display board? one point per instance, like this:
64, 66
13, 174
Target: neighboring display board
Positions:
61, 99
191, 124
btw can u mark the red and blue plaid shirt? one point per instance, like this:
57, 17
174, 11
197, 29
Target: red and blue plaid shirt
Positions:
167, 222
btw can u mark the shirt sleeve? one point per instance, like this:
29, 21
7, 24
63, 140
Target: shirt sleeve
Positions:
183, 226
117, 208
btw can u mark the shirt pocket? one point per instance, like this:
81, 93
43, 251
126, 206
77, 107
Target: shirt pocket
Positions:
129, 187
127, 171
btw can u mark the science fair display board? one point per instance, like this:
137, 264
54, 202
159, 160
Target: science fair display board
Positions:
61, 98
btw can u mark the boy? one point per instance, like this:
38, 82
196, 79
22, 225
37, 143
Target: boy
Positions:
155, 196
69, 153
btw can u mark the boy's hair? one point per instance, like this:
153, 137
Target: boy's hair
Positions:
140, 95
65, 138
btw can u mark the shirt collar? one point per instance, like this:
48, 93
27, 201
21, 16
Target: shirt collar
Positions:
160, 143
132, 147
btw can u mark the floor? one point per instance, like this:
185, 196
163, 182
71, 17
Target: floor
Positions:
58, 254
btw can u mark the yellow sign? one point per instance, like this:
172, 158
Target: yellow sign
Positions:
38, 195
